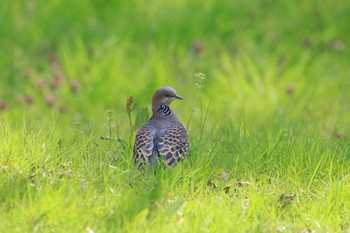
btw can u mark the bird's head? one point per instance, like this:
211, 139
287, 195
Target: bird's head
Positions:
165, 96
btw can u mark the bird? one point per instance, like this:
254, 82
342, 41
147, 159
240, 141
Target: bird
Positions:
163, 138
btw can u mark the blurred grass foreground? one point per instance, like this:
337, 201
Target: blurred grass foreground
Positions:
267, 107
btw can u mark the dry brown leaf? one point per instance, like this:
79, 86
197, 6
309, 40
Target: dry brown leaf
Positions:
242, 183
286, 199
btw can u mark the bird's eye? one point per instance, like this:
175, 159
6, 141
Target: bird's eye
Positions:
167, 95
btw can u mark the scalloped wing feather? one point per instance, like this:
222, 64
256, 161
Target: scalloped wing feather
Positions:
173, 144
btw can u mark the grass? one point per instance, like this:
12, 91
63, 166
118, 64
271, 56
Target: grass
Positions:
268, 125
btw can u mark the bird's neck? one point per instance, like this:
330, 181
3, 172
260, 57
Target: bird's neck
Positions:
162, 110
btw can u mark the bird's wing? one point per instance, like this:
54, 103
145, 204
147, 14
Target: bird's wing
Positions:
143, 147
173, 144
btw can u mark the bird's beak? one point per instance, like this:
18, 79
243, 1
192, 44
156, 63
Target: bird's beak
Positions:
179, 97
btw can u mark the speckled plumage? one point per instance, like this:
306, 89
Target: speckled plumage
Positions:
163, 137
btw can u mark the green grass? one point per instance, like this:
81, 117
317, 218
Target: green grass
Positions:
269, 125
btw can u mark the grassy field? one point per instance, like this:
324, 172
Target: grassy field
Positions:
268, 119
